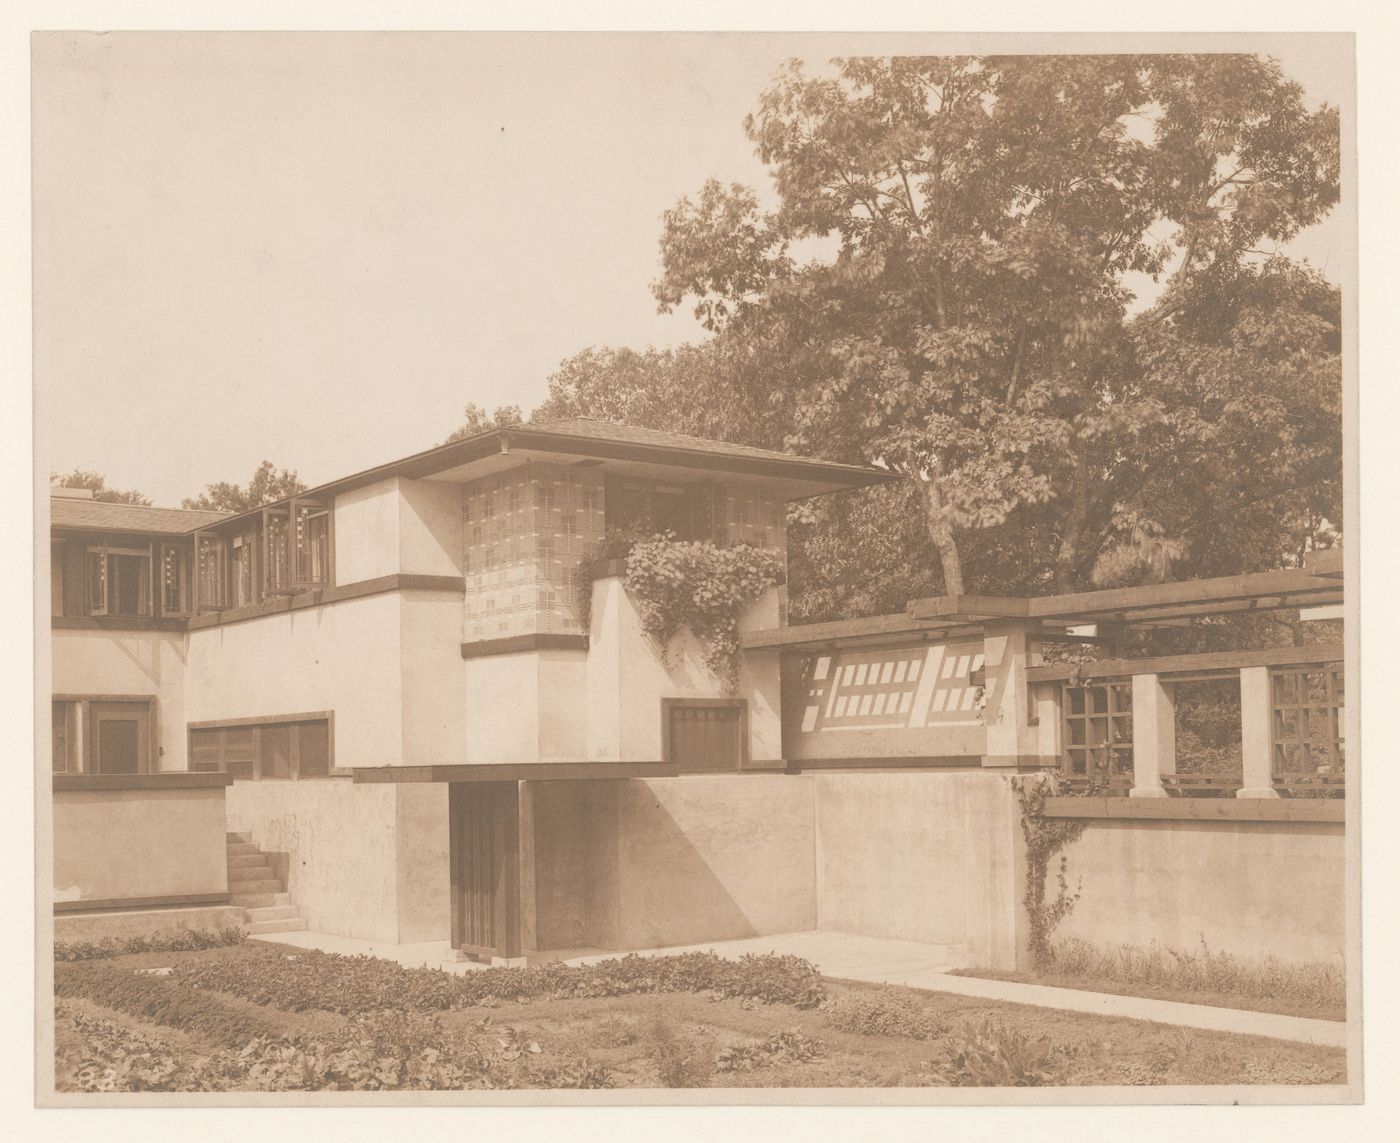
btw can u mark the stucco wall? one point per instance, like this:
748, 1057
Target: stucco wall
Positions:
921, 857
430, 529
527, 707
126, 844
360, 861
1248, 888
345, 657
432, 679
129, 663
656, 862
627, 679
367, 531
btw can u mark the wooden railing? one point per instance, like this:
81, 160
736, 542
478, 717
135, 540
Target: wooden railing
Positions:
1292, 705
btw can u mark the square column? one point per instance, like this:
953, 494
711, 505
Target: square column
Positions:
1256, 715
1154, 736
1010, 710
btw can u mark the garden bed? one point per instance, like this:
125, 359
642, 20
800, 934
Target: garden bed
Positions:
264, 1017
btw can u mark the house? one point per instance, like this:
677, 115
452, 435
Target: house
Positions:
426, 710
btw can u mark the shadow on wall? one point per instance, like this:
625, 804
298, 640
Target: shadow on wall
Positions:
649, 863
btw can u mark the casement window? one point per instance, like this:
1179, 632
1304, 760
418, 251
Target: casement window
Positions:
701, 735
685, 510
176, 580
293, 746
287, 548
211, 572
119, 580
104, 734
57, 578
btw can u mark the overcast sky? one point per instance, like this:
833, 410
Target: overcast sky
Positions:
318, 248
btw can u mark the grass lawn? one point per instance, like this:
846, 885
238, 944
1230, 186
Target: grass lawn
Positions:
263, 1017
1282, 1005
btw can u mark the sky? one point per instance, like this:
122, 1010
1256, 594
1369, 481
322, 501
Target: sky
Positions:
317, 248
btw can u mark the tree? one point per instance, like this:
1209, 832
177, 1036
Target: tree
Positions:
975, 329
266, 487
81, 478
475, 420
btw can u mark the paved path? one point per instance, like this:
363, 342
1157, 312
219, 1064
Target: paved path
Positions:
878, 961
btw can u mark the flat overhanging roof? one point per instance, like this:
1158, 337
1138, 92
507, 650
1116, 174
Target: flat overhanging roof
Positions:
949, 617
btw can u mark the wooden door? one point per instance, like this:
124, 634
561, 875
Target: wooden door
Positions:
485, 855
121, 737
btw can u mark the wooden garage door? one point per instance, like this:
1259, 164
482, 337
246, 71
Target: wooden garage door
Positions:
705, 735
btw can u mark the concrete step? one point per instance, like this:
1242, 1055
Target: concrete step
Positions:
231, 836
242, 848
240, 888
259, 872
272, 913
259, 900
291, 925
248, 861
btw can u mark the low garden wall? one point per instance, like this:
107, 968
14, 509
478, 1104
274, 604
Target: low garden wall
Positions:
138, 841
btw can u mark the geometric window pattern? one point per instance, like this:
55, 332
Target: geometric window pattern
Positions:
889, 689
1308, 725
1098, 730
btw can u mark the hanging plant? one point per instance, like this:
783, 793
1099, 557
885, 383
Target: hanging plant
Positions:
696, 584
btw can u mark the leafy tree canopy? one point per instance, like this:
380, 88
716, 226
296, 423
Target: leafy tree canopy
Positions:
976, 328
81, 478
267, 486
476, 420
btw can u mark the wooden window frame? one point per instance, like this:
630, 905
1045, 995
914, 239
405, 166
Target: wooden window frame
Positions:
84, 734
218, 550
1332, 709
1114, 687
668, 705
184, 555
147, 607
257, 725
300, 542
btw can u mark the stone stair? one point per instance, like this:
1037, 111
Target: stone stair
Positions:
258, 891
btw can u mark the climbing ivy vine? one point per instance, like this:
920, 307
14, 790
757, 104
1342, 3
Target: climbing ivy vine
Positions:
697, 584
1046, 838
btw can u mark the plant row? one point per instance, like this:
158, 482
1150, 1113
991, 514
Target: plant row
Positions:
357, 984
175, 940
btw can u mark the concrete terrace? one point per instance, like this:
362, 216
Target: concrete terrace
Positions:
874, 960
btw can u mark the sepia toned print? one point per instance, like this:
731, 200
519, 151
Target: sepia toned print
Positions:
912, 660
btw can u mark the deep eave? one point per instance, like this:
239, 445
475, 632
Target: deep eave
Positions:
822, 476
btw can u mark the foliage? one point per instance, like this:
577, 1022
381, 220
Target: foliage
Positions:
992, 1055
1202, 970
475, 421
702, 586
267, 486
175, 940
349, 985
97, 483
1045, 838
975, 328
790, 1046
161, 999
389, 1051
883, 1012
681, 1059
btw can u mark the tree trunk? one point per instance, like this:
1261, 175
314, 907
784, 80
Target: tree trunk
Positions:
1068, 555
941, 533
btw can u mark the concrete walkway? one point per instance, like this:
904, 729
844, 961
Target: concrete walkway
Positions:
874, 960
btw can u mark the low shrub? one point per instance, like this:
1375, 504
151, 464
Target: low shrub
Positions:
680, 1059
174, 940
788, 1047
883, 1012
992, 1055
349, 985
